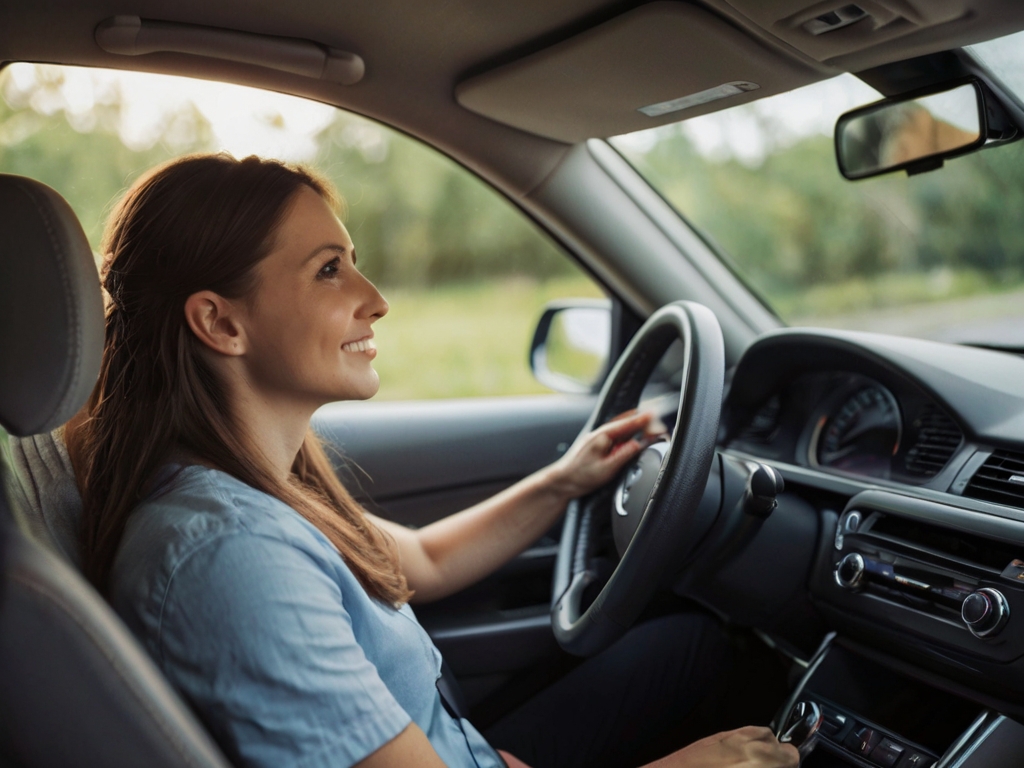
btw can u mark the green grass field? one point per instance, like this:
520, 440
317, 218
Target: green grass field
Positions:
465, 340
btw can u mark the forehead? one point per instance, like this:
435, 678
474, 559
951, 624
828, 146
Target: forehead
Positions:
308, 222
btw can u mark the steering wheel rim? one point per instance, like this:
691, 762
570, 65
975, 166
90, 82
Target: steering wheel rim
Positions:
669, 525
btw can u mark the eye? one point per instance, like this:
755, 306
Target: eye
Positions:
329, 270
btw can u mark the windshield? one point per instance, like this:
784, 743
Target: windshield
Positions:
938, 255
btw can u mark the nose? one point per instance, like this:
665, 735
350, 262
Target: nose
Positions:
382, 306
375, 306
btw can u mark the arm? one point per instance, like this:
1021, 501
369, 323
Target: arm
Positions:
410, 748
453, 553
749, 747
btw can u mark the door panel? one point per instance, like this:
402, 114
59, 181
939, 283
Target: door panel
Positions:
407, 457
415, 462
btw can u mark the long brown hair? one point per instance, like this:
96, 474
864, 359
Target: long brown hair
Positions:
201, 222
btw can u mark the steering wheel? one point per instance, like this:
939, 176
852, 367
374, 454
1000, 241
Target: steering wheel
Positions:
655, 510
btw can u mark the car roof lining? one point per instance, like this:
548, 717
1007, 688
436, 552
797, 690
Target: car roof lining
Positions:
417, 53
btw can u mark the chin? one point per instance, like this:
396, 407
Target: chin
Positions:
362, 390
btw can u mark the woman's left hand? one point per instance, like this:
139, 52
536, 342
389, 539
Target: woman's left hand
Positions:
596, 457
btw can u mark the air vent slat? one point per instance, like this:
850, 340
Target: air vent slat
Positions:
936, 438
999, 480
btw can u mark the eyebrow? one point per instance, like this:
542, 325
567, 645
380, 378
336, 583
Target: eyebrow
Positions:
327, 247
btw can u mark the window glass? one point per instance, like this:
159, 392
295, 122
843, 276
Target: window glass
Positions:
938, 255
465, 272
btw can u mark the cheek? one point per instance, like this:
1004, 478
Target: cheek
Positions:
301, 335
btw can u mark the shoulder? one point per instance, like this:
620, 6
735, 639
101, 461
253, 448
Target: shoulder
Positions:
196, 506
207, 538
255, 620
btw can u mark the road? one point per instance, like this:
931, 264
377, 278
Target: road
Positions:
991, 319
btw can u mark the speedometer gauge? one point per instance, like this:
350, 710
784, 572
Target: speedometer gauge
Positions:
861, 435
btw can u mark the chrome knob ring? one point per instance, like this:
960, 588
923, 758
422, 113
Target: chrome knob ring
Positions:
985, 612
849, 572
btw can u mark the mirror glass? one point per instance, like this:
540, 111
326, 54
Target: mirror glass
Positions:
892, 134
576, 348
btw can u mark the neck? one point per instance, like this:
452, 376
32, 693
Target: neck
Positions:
275, 425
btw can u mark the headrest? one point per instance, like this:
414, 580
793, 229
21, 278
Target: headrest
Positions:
51, 309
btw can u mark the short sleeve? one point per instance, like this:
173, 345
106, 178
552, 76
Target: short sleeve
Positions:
254, 631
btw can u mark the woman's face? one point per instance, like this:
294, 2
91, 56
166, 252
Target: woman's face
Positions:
308, 326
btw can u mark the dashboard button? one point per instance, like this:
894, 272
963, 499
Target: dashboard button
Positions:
833, 723
1014, 571
917, 760
862, 740
887, 753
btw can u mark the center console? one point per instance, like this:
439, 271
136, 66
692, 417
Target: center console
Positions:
938, 586
873, 716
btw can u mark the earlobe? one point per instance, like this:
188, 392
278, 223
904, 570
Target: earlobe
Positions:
213, 319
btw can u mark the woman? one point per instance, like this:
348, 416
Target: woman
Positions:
213, 519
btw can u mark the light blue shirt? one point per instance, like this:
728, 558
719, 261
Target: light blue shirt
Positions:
253, 615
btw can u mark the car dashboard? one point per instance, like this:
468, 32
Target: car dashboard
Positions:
844, 422
901, 531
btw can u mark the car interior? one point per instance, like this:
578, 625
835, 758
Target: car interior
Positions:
849, 504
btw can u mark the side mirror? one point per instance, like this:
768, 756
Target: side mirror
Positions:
915, 133
571, 345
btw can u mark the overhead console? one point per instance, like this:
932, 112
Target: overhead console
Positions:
835, 28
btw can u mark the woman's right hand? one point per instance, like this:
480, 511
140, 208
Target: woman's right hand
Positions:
749, 747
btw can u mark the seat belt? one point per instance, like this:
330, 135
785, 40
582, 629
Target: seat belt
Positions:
451, 694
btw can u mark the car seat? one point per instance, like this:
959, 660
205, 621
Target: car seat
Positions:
75, 687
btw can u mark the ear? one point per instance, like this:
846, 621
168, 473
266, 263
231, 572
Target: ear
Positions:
216, 322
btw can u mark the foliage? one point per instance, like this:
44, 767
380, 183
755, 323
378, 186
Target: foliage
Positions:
466, 274
423, 220
88, 164
417, 218
462, 340
817, 245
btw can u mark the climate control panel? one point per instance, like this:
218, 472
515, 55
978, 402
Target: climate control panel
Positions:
984, 611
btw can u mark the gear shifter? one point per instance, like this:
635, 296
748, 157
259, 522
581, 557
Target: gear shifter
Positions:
802, 728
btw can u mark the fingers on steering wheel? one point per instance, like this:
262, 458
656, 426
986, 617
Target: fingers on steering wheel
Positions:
626, 424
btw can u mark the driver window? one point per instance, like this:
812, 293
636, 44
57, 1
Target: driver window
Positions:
467, 275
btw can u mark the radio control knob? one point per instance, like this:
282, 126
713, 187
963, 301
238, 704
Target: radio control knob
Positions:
849, 573
985, 611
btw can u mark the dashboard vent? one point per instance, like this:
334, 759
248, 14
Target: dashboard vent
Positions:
937, 438
987, 553
1000, 480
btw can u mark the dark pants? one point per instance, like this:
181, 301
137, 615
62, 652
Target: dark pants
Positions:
623, 704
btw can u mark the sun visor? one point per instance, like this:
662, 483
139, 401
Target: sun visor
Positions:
656, 64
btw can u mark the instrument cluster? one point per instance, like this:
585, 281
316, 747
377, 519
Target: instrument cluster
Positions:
851, 424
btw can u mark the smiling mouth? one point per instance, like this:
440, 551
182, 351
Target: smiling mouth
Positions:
363, 345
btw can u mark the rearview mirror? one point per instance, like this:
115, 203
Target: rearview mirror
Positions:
913, 133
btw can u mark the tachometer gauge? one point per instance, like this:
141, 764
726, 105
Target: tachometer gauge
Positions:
861, 436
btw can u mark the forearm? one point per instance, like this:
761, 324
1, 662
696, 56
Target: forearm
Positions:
453, 553
463, 548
